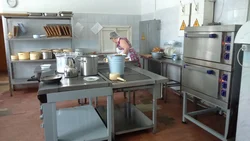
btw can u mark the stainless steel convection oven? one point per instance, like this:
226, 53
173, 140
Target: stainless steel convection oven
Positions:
211, 73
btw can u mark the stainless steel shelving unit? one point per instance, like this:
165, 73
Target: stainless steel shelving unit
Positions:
33, 39
33, 61
26, 40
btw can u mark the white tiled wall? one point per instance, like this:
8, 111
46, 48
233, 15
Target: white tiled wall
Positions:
231, 11
77, 6
226, 12
90, 41
169, 23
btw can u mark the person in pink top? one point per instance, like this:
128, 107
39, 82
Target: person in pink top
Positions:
123, 46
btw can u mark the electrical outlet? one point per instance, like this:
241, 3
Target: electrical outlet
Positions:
246, 48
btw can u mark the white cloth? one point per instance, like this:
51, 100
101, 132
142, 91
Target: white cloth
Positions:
121, 52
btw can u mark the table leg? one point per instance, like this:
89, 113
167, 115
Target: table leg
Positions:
129, 97
134, 98
129, 104
196, 106
90, 101
184, 110
162, 94
155, 91
143, 65
124, 94
110, 118
165, 92
50, 121
96, 101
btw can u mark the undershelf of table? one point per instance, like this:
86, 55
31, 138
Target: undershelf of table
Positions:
128, 118
80, 124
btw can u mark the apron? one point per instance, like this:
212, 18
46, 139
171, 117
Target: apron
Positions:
132, 55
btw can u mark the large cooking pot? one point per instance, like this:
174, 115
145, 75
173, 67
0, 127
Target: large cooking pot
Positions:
47, 54
89, 65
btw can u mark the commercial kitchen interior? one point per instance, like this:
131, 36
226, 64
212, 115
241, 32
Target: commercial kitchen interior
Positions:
200, 92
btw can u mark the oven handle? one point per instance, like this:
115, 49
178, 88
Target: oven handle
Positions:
207, 71
191, 35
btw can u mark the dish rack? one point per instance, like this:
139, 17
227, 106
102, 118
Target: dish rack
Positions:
58, 30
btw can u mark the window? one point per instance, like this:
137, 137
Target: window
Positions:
107, 46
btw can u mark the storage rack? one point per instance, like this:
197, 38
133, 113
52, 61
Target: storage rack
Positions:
27, 39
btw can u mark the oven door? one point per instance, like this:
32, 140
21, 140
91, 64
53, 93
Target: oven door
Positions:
203, 45
202, 79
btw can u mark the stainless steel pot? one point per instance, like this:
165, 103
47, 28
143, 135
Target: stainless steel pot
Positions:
47, 55
157, 55
89, 65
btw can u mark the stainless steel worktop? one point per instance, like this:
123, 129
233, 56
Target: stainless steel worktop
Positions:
100, 65
167, 61
135, 77
70, 84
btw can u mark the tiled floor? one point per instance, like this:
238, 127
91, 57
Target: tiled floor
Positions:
21, 122
4, 78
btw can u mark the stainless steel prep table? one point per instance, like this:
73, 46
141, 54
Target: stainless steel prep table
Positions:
163, 68
79, 123
127, 117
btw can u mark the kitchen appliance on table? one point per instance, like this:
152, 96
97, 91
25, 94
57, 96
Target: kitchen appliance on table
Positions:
70, 69
89, 65
61, 60
212, 74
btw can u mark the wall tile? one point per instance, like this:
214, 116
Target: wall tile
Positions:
90, 41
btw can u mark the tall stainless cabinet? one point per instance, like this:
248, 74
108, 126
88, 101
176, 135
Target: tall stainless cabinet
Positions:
211, 73
150, 37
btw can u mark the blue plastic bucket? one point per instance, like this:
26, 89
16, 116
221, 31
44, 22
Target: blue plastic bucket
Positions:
116, 63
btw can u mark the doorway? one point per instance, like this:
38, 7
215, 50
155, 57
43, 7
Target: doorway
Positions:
3, 63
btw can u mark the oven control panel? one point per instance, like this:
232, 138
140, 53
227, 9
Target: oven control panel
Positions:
227, 46
224, 85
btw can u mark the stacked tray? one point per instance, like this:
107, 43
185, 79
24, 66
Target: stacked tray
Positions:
58, 30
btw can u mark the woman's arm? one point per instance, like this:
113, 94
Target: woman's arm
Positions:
125, 46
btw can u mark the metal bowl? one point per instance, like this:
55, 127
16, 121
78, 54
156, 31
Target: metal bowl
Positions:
157, 55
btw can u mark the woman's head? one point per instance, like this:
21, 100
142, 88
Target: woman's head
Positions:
114, 36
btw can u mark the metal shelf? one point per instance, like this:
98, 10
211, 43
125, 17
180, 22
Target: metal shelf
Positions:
20, 81
39, 39
39, 17
127, 118
33, 61
80, 124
